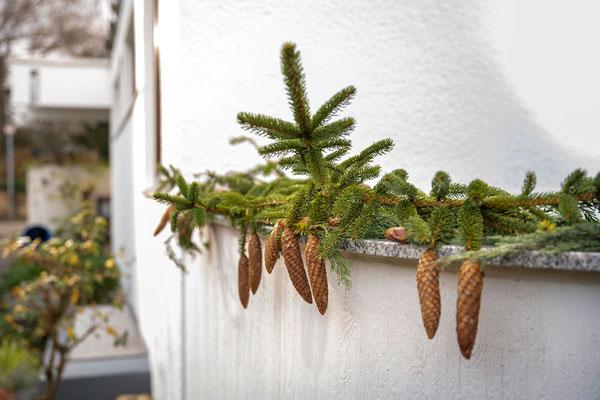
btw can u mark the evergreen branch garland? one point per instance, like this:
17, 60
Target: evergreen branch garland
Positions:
330, 190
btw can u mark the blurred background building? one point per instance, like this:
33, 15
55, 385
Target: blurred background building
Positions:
54, 115
55, 93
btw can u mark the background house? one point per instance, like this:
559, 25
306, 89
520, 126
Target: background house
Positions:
49, 97
51, 88
468, 87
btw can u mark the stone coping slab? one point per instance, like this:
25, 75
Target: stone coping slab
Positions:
565, 261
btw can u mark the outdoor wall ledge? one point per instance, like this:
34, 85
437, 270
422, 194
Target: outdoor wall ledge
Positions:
568, 261
565, 261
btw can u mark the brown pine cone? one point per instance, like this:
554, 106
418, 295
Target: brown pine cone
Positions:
273, 246
254, 261
470, 284
243, 280
295, 267
428, 283
317, 273
397, 234
166, 217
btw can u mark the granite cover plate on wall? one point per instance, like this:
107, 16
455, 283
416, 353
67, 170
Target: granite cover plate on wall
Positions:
566, 261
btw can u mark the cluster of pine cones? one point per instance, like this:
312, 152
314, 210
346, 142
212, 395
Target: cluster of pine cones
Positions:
283, 240
470, 284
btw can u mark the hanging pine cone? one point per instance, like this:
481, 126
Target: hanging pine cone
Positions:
273, 246
428, 283
163, 220
293, 261
317, 273
470, 284
254, 261
243, 280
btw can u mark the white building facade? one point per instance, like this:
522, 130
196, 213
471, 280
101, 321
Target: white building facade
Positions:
60, 89
452, 85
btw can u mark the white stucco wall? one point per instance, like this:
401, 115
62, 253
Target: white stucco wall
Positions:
441, 80
537, 338
438, 78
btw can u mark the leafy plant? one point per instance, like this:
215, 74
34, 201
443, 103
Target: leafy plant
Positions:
18, 367
66, 274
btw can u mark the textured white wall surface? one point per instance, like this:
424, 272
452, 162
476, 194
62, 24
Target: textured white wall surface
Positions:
449, 84
437, 77
538, 335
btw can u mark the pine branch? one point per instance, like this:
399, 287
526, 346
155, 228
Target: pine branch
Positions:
508, 224
543, 199
332, 106
169, 199
376, 149
273, 128
282, 147
316, 168
568, 207
336, 154
572, 179
183, 187
334, 144
440, 185
578, 237
441, 224
333, 130
289, 162
360, 174
528, 184
295, 85
470, 225
418, 230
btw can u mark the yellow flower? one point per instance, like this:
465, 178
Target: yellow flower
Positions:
109, 263
74, 260
18, 292
20, 309
75, 296
547, 226
9, 318
71, 332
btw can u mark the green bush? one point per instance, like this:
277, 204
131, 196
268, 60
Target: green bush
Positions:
18, 367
